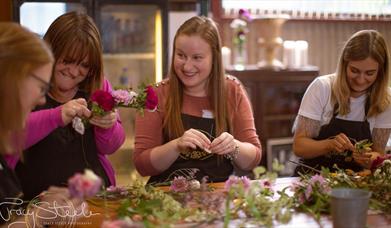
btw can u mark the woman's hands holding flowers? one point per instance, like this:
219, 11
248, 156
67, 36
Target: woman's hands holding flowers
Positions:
365, 159
107, 121
340, 143
193, 138
73, 108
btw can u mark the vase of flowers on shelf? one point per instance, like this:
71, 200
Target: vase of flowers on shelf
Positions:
239, 41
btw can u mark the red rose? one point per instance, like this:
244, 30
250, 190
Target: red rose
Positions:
151, 101
104, 99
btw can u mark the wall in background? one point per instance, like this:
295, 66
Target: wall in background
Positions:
5, 10
325, 38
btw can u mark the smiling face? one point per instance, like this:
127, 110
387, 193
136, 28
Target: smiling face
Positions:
193, 64
361, 75
69, 73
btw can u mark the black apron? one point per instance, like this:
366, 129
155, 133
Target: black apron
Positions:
58, 156
216, 168
358, 130
9, 188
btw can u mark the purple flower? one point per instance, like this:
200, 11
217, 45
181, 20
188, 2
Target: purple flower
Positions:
84, 185
122, 96
317, 179
179, 184
245, 14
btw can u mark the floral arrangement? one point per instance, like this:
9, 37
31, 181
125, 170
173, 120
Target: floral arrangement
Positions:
239, 26
103, 102
311, 194
84, 185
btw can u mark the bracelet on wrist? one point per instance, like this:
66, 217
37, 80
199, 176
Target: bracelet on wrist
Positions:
233, 155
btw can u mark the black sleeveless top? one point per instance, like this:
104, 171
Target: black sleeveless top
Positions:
216, 168
358, 130
58, 156
9, 191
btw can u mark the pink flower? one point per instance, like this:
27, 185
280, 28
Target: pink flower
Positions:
84, 185
308, 192
122, 96
265, 184
179, 184
317, 178
152, 100
233, 181
104, 99
245, 15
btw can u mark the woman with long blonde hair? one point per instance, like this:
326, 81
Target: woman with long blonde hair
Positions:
204, 123
353, 104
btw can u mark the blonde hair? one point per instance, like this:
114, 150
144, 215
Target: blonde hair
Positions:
75, 36
21, 52
363, 44
207, 30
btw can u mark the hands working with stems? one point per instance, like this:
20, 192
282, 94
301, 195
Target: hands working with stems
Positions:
79, 108
193, 138
341, 143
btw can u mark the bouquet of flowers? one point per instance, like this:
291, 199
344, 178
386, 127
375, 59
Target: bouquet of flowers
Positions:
103, 102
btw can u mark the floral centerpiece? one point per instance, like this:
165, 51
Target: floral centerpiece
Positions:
103, 102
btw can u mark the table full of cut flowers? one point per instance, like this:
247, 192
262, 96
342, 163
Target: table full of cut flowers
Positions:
266, 201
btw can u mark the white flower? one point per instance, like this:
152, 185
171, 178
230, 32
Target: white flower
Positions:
195, 184
237, 23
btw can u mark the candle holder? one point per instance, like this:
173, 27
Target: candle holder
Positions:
268, 28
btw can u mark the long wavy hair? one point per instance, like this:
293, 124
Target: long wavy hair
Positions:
21, 52
75, 36
363, 44
207, 30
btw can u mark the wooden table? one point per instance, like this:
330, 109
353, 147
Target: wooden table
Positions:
298, 219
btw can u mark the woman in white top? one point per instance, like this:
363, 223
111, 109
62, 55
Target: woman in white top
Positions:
352, 104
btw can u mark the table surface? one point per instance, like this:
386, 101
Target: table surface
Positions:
298, 219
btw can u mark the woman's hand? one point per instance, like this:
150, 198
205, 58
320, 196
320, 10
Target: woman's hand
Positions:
107, 121
224, 144
56, 205
340, 143
193, 138
365, 159
73, 108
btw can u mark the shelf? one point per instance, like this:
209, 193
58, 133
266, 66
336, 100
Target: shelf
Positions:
130, 56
